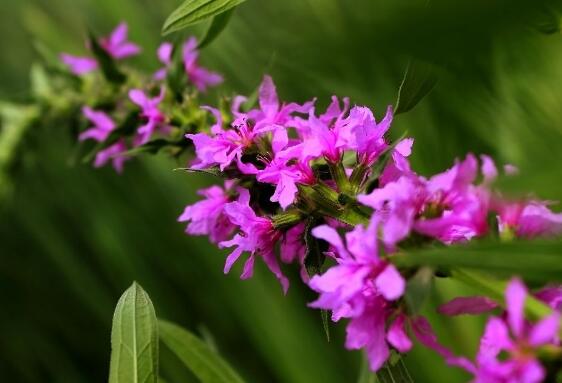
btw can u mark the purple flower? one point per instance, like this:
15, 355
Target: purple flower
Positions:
328, 135
397, 203
293, 248
367, 137
113, 153
207, 217
79, 65
149, 110
225, 146
271, 111
199, 76
361, 286
518, 339
528, 219
257, 236
164, 53
283, 174
103, 125
455, 209
116, 45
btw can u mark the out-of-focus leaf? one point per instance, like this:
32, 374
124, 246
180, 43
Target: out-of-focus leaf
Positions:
106, 62
420, 79
540, 261
194, 11
14, 122
40, 84
197, 356
548, 20
418, 289
134, 339
218, 24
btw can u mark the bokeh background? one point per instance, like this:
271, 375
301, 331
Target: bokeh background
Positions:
73, 238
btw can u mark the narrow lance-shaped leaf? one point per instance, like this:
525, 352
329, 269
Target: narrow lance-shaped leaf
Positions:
196, 355
134, 339
218, 24
420, 79
194, 11
539, 261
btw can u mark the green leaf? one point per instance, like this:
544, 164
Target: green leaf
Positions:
218, 24
15, 122
539, 261
194, 11
134, 339
196, 355
420, 79
547, 20
106, 62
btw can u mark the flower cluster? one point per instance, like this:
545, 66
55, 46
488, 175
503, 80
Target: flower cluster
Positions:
112, 128
330, 191
304, 173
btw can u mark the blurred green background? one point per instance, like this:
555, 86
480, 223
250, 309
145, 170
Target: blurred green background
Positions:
73, 238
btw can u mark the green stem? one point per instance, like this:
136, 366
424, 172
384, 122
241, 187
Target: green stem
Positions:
340, 177
286, 219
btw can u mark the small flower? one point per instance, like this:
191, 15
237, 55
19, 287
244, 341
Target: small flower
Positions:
455, 209
164, 54
271, 111
103, 125
225, 146
113, 153
367, 136
516, 337
207, 217
116, 45
284, 175
199, 76
362, 287
528, 219
257, 236
149, 110
327, 135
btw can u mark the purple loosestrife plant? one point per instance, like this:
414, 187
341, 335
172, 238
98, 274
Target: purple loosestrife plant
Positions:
331, 192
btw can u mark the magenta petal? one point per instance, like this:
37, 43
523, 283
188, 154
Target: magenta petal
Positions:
515, 295
269, 102
330, 235
467, 305
545, 331
248, 270
397, 336
533, 372
390, 283
79, 65
494, 340
165, 53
